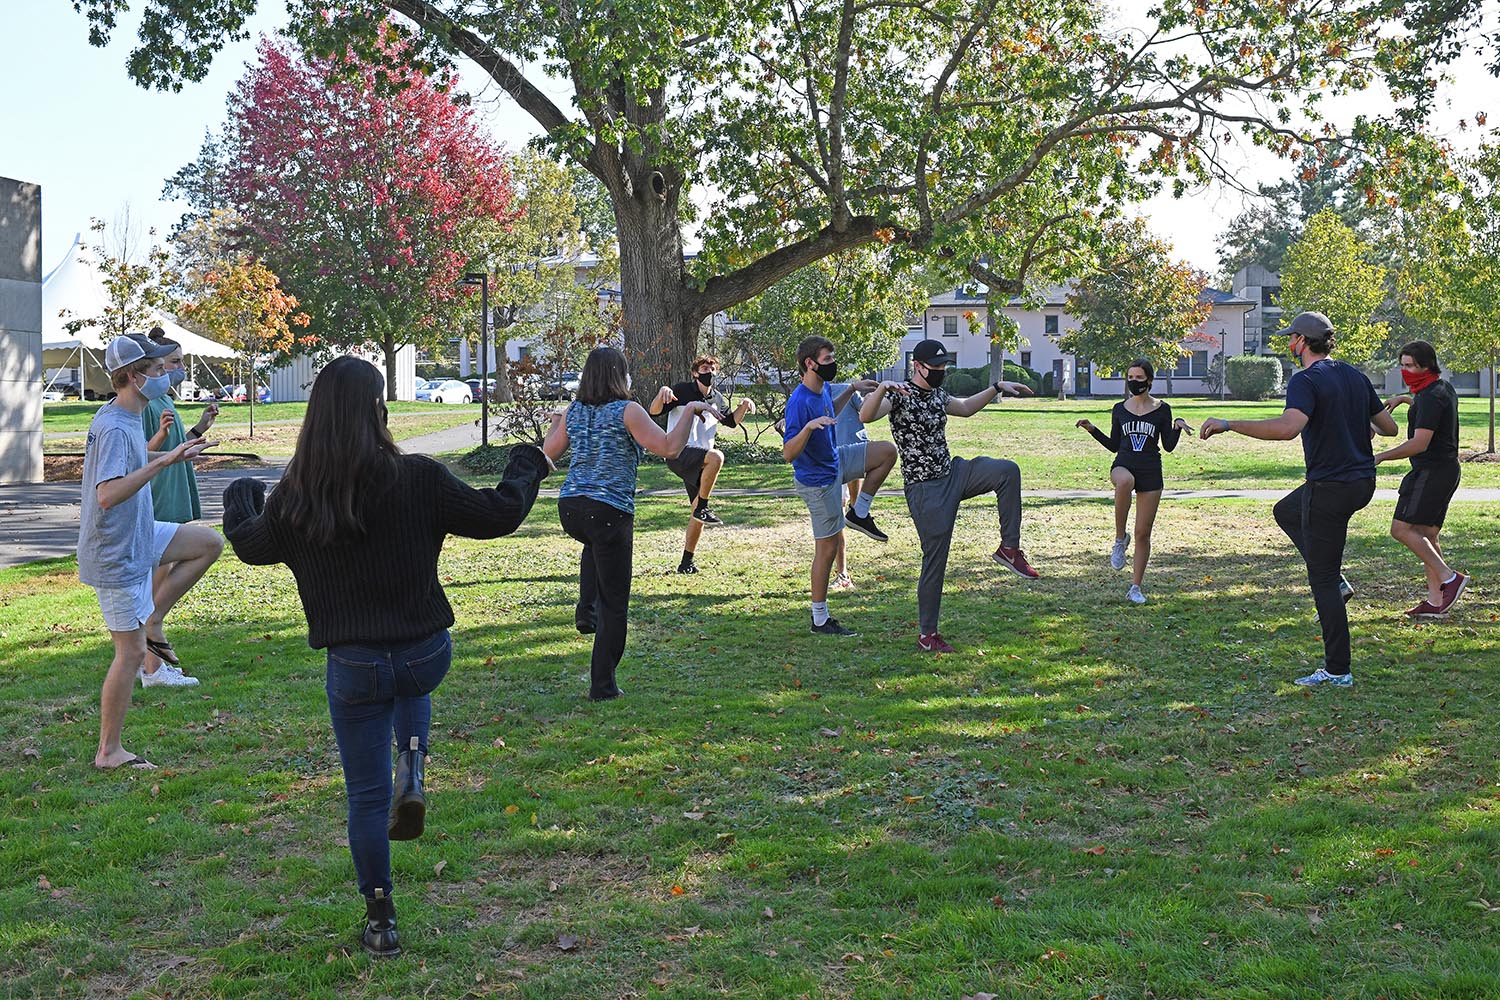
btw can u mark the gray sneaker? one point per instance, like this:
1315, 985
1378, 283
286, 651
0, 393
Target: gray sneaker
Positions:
1117, 554
1321, 676
166, 676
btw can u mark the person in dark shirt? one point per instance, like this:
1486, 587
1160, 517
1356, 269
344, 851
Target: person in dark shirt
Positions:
1140, 427
1432, 445
699, 464
360, 525
936, 482
1332, 405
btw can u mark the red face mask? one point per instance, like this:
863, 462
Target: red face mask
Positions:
1417, 381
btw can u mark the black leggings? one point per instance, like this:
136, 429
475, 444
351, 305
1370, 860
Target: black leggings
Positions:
607, 534
1315, 516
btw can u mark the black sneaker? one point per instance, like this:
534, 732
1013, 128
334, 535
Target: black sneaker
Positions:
687, 569
865, 525
832, 627
585, 627
706, 516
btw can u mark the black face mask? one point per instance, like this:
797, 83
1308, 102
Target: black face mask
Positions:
828, 371
706, 379
1137, 388
935, 376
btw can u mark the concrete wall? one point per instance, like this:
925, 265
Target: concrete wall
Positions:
20, 332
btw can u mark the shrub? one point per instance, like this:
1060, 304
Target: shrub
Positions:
1250, 376
1015, 373
1049, 387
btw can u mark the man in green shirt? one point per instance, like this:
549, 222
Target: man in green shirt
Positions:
174, 499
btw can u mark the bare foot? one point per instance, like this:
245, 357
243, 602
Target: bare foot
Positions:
123, 758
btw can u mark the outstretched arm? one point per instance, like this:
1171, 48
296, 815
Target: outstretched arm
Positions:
1282, 428
877, 403
490, 513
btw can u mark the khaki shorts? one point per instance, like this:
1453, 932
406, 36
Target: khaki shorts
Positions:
126, 608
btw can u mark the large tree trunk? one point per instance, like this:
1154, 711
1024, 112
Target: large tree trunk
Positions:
661, 333
992, 329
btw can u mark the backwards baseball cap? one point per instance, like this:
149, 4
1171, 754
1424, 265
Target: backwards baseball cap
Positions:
1313, 326
933, 354
132, 347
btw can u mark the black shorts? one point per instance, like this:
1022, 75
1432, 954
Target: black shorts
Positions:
689, 468
1146, 480
1426, 493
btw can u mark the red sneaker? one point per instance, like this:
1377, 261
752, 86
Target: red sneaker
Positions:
1015, 559
1452, 591
1425, 610
933, 644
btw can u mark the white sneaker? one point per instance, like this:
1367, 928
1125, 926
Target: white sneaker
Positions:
1135, 595
1117, 555
166, 676
842, 582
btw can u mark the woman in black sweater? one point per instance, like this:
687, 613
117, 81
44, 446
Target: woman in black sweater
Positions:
1138, 424
360, 525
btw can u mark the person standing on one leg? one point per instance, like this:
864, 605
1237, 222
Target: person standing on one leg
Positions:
820, 468
607, 431
118, 539
848, 431
189, 549
1141, 427
1333, 406
360, 525
699, 464
937, 483
1432, 445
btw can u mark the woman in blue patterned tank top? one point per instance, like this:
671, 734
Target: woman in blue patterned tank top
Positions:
607, 431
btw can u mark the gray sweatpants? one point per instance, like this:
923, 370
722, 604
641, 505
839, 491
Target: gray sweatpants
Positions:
934, 510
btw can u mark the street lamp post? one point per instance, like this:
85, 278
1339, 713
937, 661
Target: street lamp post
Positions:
482, 279
1223, 362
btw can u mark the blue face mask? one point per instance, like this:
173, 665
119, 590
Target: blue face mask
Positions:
156, 387
178, 376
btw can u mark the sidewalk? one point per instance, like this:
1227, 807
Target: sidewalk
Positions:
40, 521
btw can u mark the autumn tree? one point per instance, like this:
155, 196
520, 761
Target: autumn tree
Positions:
1332, 271
244, 307
1450, 281
364, 185
1141, 304
827, 125
139, 280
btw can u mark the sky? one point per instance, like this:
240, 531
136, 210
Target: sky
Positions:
73, 121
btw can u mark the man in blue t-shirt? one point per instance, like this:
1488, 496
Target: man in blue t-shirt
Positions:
821, 467
1333, 406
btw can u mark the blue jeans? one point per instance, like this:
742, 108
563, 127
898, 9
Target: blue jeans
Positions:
373, 691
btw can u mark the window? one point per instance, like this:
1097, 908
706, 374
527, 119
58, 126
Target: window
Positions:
1051, 327
1025, 359
1193, 365
523, 352
950, 326
1268, 295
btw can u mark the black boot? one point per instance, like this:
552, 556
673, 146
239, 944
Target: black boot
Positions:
380, 938
409, 806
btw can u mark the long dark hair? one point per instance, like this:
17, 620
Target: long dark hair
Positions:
605, 378
345, 458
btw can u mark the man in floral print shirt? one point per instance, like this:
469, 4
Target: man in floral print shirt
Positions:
936, 483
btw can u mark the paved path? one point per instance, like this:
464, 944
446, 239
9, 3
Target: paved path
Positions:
40, 521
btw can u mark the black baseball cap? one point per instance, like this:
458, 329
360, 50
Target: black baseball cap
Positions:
1313, 326
933, 354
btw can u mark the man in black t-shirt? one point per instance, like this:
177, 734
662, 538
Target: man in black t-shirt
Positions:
1432, 445
1332, 406
699, 464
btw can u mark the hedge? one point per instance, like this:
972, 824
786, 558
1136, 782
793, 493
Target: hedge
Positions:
1251, 376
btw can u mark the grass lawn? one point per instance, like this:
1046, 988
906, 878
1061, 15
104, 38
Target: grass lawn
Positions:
75, 416
1091, 799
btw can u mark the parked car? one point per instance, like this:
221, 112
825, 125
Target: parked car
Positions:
51, 396
447, 391
562, 387
477, 392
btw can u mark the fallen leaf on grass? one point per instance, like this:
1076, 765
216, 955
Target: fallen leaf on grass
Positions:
768, 913
693, 815
1096, 850
831, 733
678, 890
437, 869
850, 956
31, 752
512, 809
1054, 955
981, 996
566, 942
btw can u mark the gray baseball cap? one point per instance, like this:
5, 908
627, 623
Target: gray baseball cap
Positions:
132, 347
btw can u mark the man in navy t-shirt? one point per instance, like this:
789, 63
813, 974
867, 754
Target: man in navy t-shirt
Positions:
1333, 407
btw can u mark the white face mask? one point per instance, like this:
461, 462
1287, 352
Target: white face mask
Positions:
155, 386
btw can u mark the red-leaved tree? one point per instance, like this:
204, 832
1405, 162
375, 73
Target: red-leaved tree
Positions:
366, 198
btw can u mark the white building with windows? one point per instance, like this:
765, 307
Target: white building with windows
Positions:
957, 318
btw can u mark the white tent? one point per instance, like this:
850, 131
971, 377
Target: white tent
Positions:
75, 286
